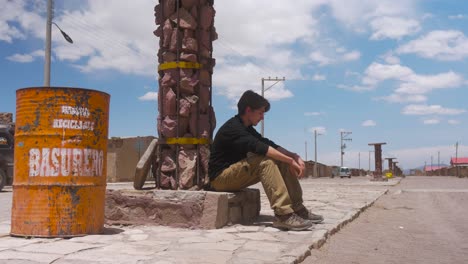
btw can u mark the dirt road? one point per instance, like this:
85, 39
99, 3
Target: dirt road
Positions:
421, 220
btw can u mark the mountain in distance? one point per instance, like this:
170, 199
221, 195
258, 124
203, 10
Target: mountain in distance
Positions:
407, 171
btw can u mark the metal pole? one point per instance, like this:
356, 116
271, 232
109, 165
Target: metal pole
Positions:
341, 147
432, 168
359, 155
48, 44
263, 95
456, 159
315, 164
438, 162
306, 150
369, 160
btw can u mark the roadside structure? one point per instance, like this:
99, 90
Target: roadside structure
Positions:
378, 161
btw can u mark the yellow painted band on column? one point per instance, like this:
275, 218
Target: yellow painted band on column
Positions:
179, 65
187, 141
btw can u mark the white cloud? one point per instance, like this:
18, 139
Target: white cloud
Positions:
22, 58
322, 60
319, 77
404, 98
369, 123
149, 96
355, 88
105, 39
459, 16
320, 129
356, 14
340, 50
377, 72
312, 113
8, 33
453, 122
9, 13
410, 82
420, 84
265, 49
430, 110
26, 58
393, 27
258, 40
390, 58
353, 55
20, 18
450, 45
349, 73
226, 78
432, 121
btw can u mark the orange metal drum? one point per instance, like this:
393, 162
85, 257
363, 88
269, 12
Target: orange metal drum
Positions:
60, 162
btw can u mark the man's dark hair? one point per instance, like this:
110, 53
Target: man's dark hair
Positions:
252, 100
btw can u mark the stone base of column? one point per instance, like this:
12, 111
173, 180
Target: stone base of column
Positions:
185, 209
379, 179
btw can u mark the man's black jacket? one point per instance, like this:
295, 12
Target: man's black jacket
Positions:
232, 143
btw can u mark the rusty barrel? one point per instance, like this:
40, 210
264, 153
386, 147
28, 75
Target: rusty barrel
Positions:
60, 162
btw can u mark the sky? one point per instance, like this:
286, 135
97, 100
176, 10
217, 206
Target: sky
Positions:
386, 70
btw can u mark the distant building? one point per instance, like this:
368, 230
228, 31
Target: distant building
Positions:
433, 168
460, 162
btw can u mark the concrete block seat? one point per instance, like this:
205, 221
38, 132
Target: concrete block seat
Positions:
187, 209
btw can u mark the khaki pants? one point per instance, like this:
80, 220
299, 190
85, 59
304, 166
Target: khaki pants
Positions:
282, 188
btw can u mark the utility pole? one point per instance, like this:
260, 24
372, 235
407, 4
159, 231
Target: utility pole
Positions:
344, 135
48, 45
276, 80
306, 150
315, 144
438, 162
359, 155
369, 159
432, 168
456, 159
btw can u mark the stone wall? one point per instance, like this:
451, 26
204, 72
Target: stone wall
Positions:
6, 118
322, 169
449, 171
123, 155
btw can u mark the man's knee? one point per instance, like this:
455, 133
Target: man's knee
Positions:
267, 162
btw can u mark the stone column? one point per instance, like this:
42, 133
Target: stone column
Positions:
378, 161
390, 164
186, 118
397, 170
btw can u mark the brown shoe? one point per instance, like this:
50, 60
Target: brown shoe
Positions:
292, 222
307, 214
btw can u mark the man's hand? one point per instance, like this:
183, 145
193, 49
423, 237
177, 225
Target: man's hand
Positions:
296, 169
296, 164
301, 163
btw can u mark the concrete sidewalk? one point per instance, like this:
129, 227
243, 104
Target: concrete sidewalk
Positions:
338, 200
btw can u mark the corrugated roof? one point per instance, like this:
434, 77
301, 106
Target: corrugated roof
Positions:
460, 160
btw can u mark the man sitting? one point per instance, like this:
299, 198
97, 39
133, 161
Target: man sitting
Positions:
241, 157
